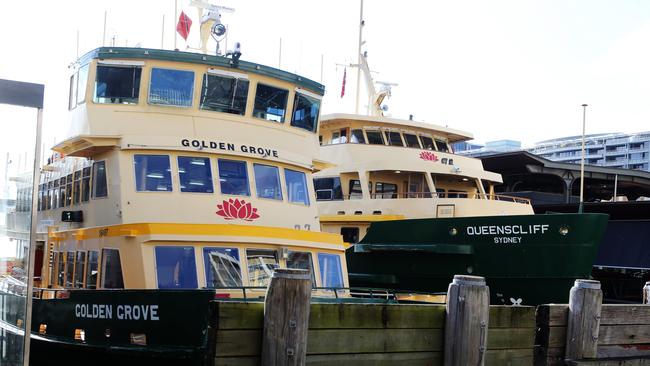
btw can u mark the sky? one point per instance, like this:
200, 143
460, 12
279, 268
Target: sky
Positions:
500, 69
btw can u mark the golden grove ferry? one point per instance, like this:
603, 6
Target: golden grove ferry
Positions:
181, 171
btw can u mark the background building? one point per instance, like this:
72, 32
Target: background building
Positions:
490, 148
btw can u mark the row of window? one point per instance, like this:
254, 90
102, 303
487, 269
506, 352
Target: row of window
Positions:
80, 269
176, 267
387, 137
221, 91
74, 188
153, 173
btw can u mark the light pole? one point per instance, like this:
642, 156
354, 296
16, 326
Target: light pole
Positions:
582, 160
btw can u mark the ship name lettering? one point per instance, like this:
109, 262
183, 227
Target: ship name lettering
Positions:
137, 312
94, 311
507, 239
214, 145
507, 229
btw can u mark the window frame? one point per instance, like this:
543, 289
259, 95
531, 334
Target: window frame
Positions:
248, 271
225, 74
196, 267
248, 180
192, 96
286, 103
178, 173
298, 92
87, 269
279, 181
306, 182
102, 269
321, 269
171, 176
417, 139
93, 187
378, 131
207, 269
119, 64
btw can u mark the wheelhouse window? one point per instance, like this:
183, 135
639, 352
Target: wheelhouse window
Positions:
152, 173
72, 102
171, 87
267, 181
91, 270
261, 264
176, 267
305, 112
356, 137
69, 269
427, 143
270, 103
100, 188
233, 177
225, 94
442, 145
296, 186
82, 82
394, 138
385, 190
301, 260
411, 140
79, 269
111, 269
117, 84
330, 270
375, 137
85, 184
195, 174
222, 267
328, 189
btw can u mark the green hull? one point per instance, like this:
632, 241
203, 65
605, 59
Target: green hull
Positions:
526, 259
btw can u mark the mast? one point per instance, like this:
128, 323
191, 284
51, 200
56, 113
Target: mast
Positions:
356, 110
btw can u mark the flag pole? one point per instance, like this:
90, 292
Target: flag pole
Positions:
356, 109
162, 34
174, 23
104, 35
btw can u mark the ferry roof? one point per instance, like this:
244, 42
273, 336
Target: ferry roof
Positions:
199, 58
452, 134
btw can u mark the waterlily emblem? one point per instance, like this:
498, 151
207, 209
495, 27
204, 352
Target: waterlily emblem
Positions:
427, 155
237, 209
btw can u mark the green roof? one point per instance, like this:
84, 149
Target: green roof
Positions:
199, 58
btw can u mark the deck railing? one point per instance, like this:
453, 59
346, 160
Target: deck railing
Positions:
410, 195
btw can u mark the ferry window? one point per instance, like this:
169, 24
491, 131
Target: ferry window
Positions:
267, 181
50, 194
427, 143
261, 264
375, 137
224, 94
82, 82
411, 140
91, 270
195, 174
233, 177
222, 267
350, 234
85, 185
336, 137
356, 137
355, 189
330, 270
60, 269
100, 188
270, 103
55, 195
77, 187
62, 197
385, 190
68, 190
442, 145
72, 103
305, 112
394, 138
328, 189
69, 269
152, 173
79, 269
111, 269
176, 267
117, 84
302, 260
456, 194
296, 186
171, 87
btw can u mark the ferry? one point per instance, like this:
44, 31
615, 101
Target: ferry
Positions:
414, 214
182, 171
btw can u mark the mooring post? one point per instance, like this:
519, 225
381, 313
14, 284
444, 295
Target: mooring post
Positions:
286, 317
646, 293
585, 302
466, 325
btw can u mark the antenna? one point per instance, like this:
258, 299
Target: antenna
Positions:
211, 25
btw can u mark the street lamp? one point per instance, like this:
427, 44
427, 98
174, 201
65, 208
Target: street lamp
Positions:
582, 160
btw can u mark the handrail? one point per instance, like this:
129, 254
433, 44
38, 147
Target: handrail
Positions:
419, 195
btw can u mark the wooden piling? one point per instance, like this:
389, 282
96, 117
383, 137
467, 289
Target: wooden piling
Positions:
583, 322
466, 324
286, 318
646, 293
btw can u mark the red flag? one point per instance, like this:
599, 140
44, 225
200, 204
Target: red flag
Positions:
184, 25
345, 71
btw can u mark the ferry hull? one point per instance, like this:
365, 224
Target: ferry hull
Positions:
526, 259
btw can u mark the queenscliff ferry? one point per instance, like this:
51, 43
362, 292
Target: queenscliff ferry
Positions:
390, 171
181, 171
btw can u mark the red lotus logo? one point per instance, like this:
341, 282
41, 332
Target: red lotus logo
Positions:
237, 209
427, 155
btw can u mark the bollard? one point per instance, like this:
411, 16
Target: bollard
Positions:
286, 318
466, 325
646, 293
585, 302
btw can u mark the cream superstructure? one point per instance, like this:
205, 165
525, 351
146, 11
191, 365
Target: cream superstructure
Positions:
184, 170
